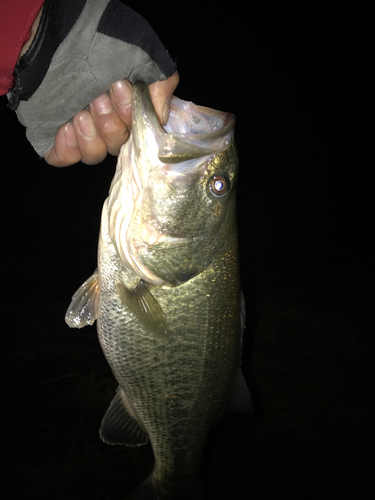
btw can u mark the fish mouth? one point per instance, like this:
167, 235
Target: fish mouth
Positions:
200, 132
191, 131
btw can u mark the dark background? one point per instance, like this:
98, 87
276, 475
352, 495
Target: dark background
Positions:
293, 79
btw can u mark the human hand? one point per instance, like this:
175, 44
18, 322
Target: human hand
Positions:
106, 126
77, 52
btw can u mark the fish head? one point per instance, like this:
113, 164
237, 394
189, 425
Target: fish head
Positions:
174, 190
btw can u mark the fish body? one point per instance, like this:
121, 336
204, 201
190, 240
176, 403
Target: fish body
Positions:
166, 294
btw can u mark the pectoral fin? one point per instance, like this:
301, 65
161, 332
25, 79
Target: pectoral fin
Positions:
119, 427
83, 309
145, 307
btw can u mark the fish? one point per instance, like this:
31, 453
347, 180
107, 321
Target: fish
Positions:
166, 294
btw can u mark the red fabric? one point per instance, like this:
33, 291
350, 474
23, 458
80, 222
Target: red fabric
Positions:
16, 19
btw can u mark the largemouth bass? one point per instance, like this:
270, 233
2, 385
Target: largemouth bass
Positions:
166, 294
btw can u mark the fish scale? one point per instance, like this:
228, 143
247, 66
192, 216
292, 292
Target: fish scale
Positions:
202, 345
168, 305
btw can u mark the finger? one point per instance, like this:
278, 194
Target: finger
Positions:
161, 94
121, 97
92, 147
65, 151
108, 124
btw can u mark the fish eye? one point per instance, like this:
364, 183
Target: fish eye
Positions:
219, 185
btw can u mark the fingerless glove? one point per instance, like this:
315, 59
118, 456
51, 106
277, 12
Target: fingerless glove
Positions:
81, 48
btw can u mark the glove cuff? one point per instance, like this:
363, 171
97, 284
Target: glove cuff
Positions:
57, 19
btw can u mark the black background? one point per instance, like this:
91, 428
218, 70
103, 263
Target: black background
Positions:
294, 80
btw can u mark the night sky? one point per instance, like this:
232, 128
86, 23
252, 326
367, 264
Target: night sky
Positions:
305, 225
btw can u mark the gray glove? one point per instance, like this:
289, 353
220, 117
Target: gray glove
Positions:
81, 48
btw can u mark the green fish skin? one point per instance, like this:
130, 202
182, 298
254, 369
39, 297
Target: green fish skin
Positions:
166, 294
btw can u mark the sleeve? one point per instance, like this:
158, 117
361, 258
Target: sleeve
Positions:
80, 49
16, 19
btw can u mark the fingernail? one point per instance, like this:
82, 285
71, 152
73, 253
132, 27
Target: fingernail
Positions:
122, 92
103, 105
86, 126
70, 135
